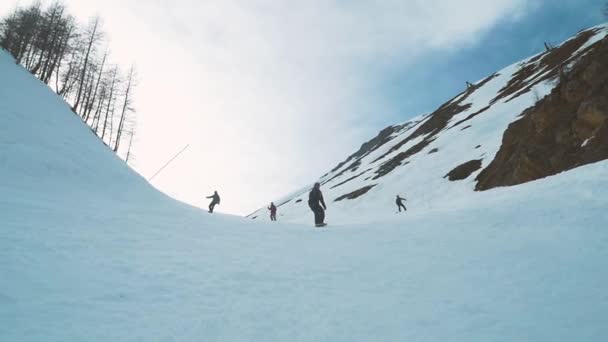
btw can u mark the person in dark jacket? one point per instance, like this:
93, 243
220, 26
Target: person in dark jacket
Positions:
273, 211
215, 201
317, 205
399, 202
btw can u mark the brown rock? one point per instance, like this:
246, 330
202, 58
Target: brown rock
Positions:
356, 193
463, 171
549, 136
589, 117
589, 75
551, 61
573, 90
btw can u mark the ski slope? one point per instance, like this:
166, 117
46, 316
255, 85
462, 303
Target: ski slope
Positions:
89, 251
475, 124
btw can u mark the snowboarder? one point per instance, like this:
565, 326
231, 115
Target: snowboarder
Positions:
317, 205
273, 211
215, 201
399, 202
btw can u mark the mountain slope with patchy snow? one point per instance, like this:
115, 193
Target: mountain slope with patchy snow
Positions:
440, 158
89, 251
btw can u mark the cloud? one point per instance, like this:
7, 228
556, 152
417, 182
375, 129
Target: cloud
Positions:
271, 93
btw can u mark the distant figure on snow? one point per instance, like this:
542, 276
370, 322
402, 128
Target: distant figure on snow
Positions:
317, 205
273, 211
215, 201
399, 202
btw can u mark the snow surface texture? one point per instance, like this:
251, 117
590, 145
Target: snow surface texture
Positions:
420, 178
90, 252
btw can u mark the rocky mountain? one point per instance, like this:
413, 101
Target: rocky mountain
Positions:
536, 118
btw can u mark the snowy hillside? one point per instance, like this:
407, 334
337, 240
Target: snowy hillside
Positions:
439, 159
90, 252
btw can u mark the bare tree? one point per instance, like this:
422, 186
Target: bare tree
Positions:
49, 39
93, 37
92, 92
109, 112
69, 75
126, 106
49, 43
65, 48
18, 32
61, 37
93, 98
130, 157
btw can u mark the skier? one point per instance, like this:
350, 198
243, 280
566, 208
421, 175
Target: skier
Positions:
215, 201
273, 211
317, 205
399, 202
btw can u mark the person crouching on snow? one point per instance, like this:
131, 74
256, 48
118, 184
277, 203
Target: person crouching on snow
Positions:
215, 201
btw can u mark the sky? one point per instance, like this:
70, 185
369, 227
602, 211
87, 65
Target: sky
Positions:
269, 95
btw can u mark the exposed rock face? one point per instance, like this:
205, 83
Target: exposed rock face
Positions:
435, 123
463, 171
356, 193
566, 129
397, 160
382, 138
349, 179
551, 64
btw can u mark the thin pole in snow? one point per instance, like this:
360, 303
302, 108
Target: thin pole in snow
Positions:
169, 162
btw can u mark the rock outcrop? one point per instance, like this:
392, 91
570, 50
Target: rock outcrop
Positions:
566, 129
463, 171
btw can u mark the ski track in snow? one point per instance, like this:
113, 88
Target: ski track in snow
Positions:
90, 252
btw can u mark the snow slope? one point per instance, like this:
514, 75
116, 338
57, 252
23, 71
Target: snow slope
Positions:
415, 158
90, 252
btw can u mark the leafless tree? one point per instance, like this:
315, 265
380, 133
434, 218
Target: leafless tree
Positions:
19, 31
109, 110
92, 95
127, 106
60, 45
130, 157
49, 43
93, 37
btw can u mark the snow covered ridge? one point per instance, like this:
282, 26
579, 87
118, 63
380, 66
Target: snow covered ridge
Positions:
535, 118
48, 151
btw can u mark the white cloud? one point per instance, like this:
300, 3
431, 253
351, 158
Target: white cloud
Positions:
268, 93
